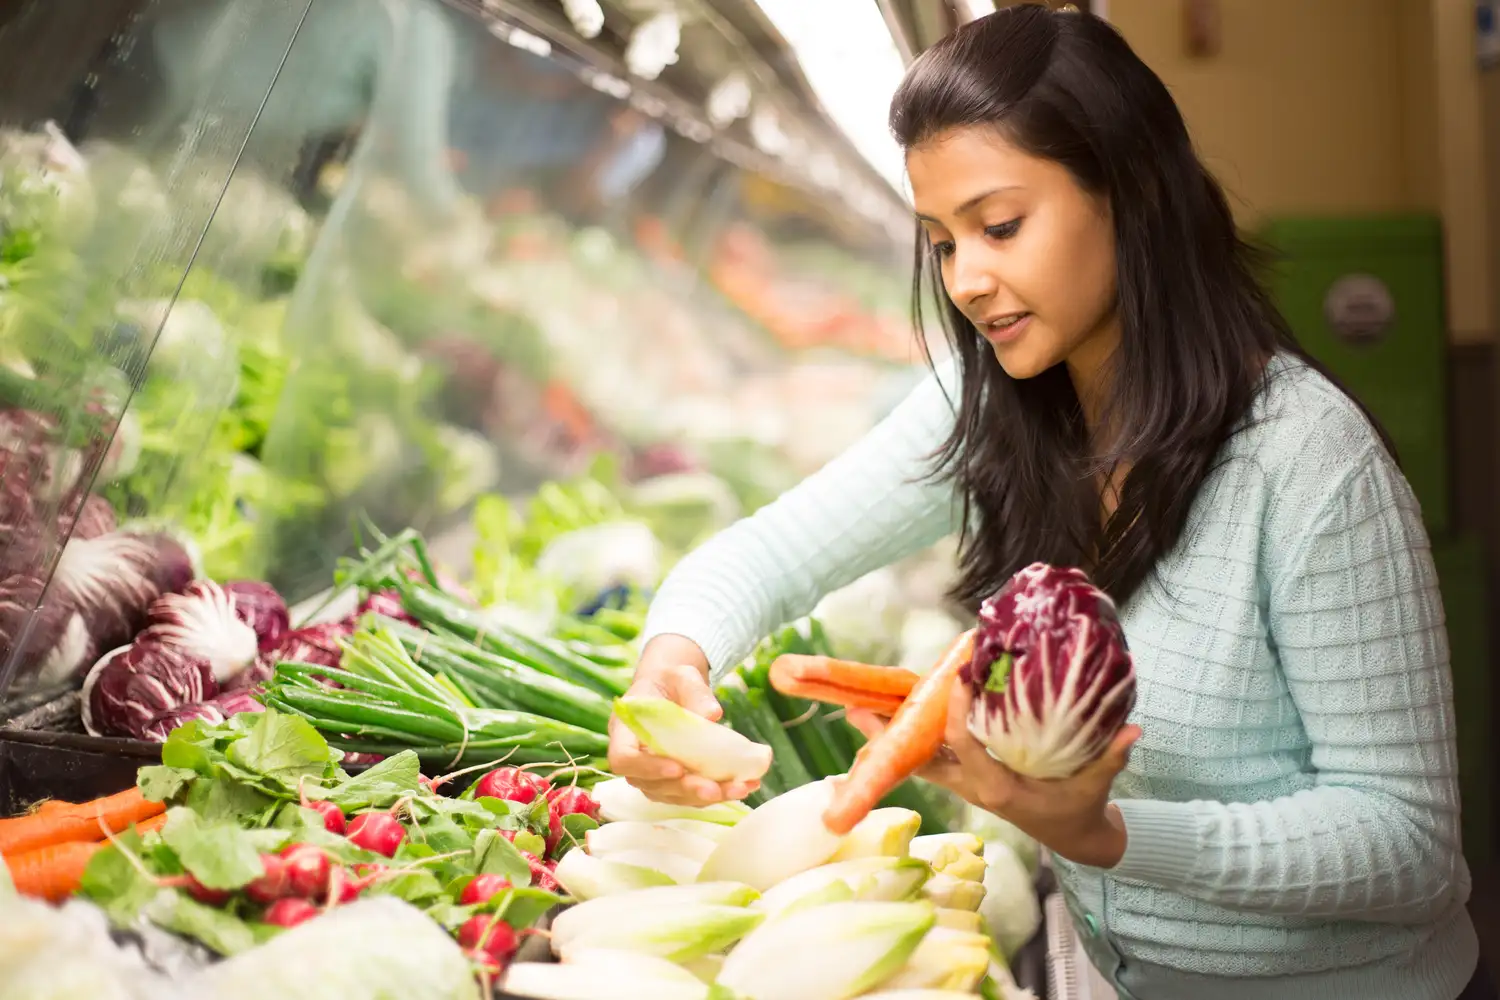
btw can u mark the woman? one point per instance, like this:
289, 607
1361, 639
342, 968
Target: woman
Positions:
1124, 397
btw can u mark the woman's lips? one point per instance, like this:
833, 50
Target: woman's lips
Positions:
998, 334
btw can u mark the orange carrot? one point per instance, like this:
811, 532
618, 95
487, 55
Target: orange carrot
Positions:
85, 821
842, 682
52, 873
151, 825
913, 738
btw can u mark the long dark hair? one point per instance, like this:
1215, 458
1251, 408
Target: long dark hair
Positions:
1197, 326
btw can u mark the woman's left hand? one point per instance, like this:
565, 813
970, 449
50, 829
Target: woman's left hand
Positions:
1071, 817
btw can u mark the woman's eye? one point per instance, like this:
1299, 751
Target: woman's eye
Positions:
943, 249
1004, 230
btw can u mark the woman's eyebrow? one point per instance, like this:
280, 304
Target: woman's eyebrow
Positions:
973, 202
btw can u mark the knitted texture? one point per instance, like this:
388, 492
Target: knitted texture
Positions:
1292, 805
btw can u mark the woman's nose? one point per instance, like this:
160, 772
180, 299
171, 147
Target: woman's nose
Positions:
970, 280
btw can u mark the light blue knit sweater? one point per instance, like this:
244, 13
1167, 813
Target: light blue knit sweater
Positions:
1292, 808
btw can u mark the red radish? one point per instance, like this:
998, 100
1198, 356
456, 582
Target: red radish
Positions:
511, 784
333, 817
554, 831
274, 884
205, 895
482, 888
290, 912
541, 874
571, 800
381, 833
308, 871
488, 935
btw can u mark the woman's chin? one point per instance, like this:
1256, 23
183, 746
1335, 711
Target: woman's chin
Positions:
1019, 363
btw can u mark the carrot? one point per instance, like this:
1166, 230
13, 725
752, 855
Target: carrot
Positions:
85, 821
913, 738
849, 683
54, 872
152, 825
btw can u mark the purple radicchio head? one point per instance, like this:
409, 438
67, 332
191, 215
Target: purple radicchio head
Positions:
1052, 677
159, 728
259, 605
203, 621
131, 686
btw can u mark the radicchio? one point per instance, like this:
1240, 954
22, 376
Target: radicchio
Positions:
133, 685
388, 604
1052, 676
203, 621
259, 605
161, 727
97, 600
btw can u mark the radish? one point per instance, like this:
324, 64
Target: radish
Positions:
573, 801
274, 884
333, 817
308, 871
205, 895
511, 784
541, 872
482, 889
290, 912
489, 935
554, 832
380, 833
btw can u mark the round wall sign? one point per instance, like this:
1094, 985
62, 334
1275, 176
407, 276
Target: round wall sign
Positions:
1359, 308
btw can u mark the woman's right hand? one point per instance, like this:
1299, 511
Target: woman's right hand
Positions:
674, 668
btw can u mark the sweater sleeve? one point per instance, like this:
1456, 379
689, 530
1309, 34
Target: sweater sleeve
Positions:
1357, 622
873, 505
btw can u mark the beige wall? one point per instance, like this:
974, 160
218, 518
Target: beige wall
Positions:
1338, 106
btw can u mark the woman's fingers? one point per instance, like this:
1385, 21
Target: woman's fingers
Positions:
867, 722
1115, 756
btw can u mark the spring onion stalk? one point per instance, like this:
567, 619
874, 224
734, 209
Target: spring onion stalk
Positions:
604, 975
567, 925
877, 879
953, 893
828, 952
676, 932
777, 840
757, 721
884, 833
947, 960
619, 800
585, 877
617, 838
714, 751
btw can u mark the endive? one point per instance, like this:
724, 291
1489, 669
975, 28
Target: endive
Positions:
674, 866
885, 832
960, 920
678, 933
946, 959
924, 847
953, 893
777, 840
619, 800
576, 920
876, 880
617, 838
697, 827
586, 877
604, 975
969, 867
715, 751
828, 952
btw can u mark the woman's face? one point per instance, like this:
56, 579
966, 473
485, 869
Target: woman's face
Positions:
1027, 254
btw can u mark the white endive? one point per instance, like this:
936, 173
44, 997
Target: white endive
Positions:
876, 880
969, 867
926, 847
1010, 908
777, 840
678, 933
708, 748
697, 827
947, 960
960, 920
574, 921
885, 832
675, 867
604, 975
619, 838
828, 952
586, 877
953, 893
620, 800
921, 995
